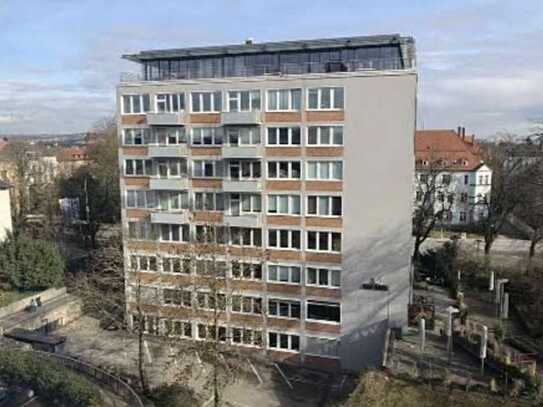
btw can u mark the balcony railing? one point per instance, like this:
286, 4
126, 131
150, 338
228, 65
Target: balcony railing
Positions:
371, 64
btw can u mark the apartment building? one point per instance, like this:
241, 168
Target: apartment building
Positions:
301, 152
456, 162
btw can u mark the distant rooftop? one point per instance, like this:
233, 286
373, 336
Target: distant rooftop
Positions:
378, 52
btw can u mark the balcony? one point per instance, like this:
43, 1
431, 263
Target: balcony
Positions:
244, 220
242, 152
179, 218
166, 119
161, 151
239, 118
233, 185
169, 184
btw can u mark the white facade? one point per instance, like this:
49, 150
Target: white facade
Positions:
468, 190
5, 214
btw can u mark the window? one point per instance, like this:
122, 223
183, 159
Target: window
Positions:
246, 305
170, 103
323, 311
172, 200
141, 198
284, 239
450, 198
177, 328
204, 168
211, 332
143, 263
320, 346
284, 274
210, 301
206, 102
141, 231
463, 217
283, 342
244, 203
138, 167
206, 136
323, 277
324, 241
244, 169
169, 136
418, 195
464, 197
246, 271
466, 179
324, 206
136, 137
170, 167
136, 104
246, 337
480, 179
284, 99
325, 136
243, 100
284, 308
284, 136
325, 170
150, 324
284, 204
423, 178
487, 180
325, 99
250, 237
446, 179
177, 297
211, 234
284, 170
243, 136
173, 233
208, 201
177, 265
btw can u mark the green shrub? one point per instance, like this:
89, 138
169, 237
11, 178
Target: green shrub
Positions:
28, 264
173, 395
52, 382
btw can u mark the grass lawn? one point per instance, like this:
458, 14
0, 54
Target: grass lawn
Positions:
8, 297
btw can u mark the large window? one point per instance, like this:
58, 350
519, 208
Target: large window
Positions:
246, 271
136, 137
323, 277
138, 167
325, 170
241, 204
284, 100
141, 230
284, 204
211, 234
244, 169
172, 200
141, 198
136, 104
143, 263
169, 136
284, 239
177, 265
325, 99
324, 205
243, 100
243, 136
284, 308
279, 273
246, 337
173, 233
325, 136
206, 136
204, 168
324, 241
177, 297
170, 167
208, 201
177, 328
246, 304
284, 136
284, 170
210, 301
250, 237
323, 311
283, 342
206, 102
170, 102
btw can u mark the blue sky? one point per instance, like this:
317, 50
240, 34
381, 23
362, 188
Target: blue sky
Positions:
480, 62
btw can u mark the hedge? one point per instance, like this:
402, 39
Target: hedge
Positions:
53, 383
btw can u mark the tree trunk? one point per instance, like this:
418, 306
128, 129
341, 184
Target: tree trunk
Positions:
533, 244
141, 368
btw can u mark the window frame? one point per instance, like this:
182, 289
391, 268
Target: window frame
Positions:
289, 301
290, 130
142, 97
217, 133
290, 199
168, 100
213, 101
290, 273
290, 100
278, 347
318, 170
309, 302
146, 136
237, 98
319, 107
319, 128
204, 162
318, 241
277, 164
329, 270
217, 196
278, 239
317, 206
145, 163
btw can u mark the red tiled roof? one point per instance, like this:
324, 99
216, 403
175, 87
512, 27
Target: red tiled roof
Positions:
448, 148
73, 154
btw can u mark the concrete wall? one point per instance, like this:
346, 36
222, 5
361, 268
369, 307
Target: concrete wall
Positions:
5, 213
378, 174
20, 305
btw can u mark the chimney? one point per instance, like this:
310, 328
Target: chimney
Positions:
249, 41
463, 132
459, 131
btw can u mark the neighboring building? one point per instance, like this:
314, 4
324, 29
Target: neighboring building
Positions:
303, 150
5, 210
457, 162
72, 158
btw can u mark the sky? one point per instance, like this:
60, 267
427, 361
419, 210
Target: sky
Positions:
480, 62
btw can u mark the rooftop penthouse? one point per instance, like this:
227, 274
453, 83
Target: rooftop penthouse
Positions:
382, 52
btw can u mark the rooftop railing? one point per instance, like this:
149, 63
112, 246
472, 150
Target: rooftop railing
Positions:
375, 64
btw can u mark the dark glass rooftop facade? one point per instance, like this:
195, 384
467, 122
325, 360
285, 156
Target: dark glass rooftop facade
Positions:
292, 57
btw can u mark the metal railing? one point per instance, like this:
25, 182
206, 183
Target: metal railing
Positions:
373, 64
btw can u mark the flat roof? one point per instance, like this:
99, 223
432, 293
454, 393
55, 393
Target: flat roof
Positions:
265, 47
